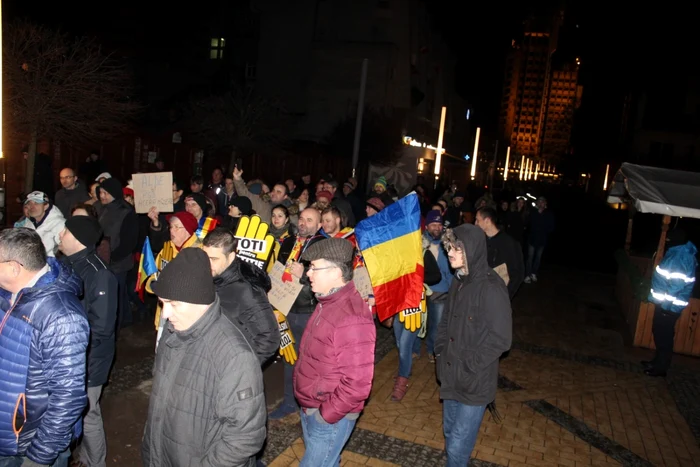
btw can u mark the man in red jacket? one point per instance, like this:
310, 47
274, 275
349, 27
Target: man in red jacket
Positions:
333, 376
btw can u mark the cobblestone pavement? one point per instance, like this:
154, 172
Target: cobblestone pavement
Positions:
571, 393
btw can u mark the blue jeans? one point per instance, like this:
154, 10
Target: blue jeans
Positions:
323, 441
460, 424
534, 258
16, 461
297, 323
405, 340
435, 309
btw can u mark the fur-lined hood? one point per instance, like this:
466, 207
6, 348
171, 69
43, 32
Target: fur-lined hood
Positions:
472, 241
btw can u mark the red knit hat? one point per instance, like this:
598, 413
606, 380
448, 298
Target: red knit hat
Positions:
189, 222
376, 204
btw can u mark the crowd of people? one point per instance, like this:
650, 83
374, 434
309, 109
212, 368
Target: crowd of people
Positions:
69, 281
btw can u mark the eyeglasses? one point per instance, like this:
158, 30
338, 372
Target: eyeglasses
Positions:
313, 269
12, 261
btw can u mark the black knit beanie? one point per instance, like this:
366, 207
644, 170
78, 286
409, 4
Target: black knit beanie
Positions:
187, 278
113, 187
85, 229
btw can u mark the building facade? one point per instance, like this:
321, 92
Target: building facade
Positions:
540, 93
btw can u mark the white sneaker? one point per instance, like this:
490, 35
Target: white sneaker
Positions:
527, 280
533, 277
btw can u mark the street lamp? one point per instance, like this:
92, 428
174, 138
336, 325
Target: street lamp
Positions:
438, 151
476, 152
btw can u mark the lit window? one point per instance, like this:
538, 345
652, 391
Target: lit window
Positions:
216, 49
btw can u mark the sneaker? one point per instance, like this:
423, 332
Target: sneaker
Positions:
416, 356
533, 277
282, 411
527, 280
431, 358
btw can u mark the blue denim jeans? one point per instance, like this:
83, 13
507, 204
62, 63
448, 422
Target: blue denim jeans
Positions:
297, 323
16, 461
405, 340
435, 310
323, 441
460, 424
534, 258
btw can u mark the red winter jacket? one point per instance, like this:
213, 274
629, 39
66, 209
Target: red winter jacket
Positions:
336, 358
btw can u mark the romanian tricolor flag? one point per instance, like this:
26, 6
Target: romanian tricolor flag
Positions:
206, 224
147, 267
390, 242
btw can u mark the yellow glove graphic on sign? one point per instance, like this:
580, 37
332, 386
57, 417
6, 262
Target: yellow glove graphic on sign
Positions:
255, 243
413, 318
286, 339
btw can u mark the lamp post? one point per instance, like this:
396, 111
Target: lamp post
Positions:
438, 151
476, 152
506, 168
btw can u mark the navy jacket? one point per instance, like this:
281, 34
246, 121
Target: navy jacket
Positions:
100, 302
43, 345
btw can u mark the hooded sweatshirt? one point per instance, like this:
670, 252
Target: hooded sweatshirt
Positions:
476, 326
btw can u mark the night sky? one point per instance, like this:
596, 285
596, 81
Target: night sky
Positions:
623, 48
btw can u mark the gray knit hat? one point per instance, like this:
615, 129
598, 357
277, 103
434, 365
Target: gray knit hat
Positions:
337, 250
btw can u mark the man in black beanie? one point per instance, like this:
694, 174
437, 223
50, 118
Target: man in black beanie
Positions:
120, 223
77, 242
207, 404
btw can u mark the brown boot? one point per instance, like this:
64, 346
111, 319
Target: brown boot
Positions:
400, 388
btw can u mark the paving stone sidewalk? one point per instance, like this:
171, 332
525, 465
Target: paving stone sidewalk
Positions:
570, 394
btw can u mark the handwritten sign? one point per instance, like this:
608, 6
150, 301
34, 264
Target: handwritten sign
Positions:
153, 189
282, 294
362, 282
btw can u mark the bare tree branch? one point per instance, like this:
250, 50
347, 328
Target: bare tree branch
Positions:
62, 88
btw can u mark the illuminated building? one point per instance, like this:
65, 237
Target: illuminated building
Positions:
540, 94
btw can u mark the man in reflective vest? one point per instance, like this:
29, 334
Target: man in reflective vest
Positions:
671, 288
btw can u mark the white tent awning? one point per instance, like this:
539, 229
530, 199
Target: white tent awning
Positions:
657, 191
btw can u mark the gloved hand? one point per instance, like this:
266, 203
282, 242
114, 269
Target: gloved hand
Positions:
286, 339
254, 240
413, 318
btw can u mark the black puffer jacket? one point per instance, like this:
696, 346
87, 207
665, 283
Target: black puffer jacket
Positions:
100, 301
207, 405
242, 289
306, 300
476, 325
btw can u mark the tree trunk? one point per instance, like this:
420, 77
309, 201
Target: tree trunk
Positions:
31, 157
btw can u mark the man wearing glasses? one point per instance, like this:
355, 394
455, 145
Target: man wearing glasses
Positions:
72, 193
333, 376
44, 336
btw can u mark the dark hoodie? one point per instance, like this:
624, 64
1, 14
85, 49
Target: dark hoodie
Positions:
476, 327
242, 289
120, 224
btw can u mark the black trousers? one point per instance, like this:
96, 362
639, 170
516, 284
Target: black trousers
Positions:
664, 330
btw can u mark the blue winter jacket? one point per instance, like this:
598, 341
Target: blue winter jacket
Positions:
674, 278
43, 346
